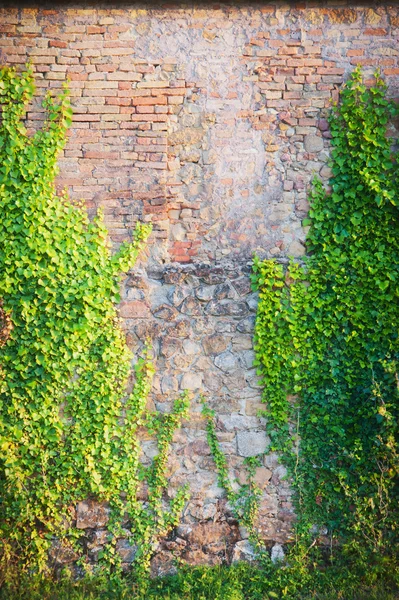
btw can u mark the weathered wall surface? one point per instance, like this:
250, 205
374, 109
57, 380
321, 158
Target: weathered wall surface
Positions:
210, 121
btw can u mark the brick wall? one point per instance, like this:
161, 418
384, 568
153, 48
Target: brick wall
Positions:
208, 119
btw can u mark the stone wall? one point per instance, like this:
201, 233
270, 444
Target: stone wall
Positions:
209, 119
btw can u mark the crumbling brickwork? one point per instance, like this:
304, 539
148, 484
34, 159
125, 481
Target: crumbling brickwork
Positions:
208, 119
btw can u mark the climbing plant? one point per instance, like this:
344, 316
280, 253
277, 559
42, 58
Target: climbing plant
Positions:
326, 335
244, 501
68, 427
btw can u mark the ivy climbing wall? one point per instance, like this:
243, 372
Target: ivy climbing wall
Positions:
209, 121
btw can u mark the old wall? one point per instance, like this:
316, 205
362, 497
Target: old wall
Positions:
209, 119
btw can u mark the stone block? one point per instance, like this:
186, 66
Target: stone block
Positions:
277, 554
62, 554
214, 344
243, 551
126, 551
226, 362
252, 443
91, 514
296, 249
236, 422
191, 381
313, 144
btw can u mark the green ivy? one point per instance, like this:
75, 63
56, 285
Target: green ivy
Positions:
327, 333
244, 502
68, 427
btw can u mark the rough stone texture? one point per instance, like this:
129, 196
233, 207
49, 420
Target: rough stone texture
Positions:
91, 514
210, 121
61, 554
243, 550
251, 443
277, 553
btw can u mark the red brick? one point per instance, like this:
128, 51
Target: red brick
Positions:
101, 155
377, 31
144, 109
152, 118
91, 29
287, 50
118, 101
276, 43
149, 100
357, 52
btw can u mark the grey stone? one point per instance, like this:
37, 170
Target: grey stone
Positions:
191, 306
226, 308
226, 361
178, 294
169, 346
302, 207
165, 312
155, 272
224, 291
126, 551
236, 422
204, 512
253, 380
277, 554
242, 285
242, 342
150, 448
180, 329
97, 539
191, 381
247, 358
280, 213
225, 327
174, 277
253, 301
313, 143
135, 294
271, 460
279, 474
318, 530
191, 348
243, 551
246, 325
234, 381
213, 275
205, 292
169, 384
213, 381
252, 443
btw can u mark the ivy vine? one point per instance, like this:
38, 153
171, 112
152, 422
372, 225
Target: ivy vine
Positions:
68, 427
244, 502
326, 335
